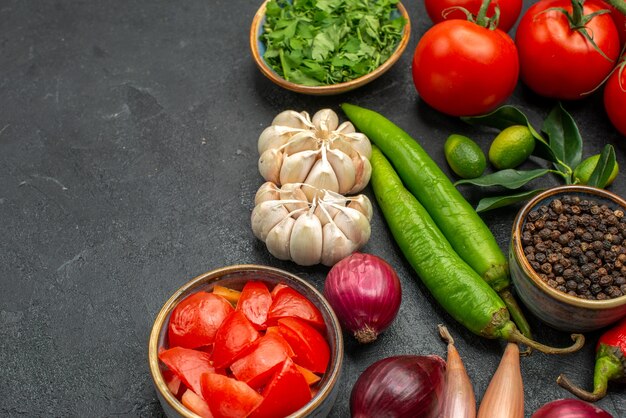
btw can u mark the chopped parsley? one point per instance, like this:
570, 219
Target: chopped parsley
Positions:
323, 42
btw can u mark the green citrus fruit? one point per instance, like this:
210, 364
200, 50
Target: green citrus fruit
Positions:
464, 156
511, 147
583, 171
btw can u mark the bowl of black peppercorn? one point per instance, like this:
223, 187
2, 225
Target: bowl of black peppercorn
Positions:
568, 257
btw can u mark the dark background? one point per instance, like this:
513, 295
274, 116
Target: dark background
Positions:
128, 165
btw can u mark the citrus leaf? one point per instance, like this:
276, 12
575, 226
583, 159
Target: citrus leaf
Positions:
511, 179
600, 175
489, 203
508, 115
564, 137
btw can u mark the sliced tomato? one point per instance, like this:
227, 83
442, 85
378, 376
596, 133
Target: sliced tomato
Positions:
278, 288
229, 294
311, 349
228, 397
232, 339
311, 378
196, 404
188, 365
256, 367
255, 302
285, 393
288, 302
195, 320
173, 382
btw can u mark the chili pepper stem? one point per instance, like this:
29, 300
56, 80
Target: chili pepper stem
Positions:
510, 333
516, 312
608, 367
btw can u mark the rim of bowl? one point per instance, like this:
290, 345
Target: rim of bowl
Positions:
332, 88
525, 264
198, 281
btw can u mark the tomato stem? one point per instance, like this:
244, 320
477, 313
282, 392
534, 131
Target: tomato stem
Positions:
618, 4
481, 17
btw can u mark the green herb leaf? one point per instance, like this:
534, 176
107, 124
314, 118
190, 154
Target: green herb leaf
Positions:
511, 179
495, 202
508, 115
600, 175
564, 138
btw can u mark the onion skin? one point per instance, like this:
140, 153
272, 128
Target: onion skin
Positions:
458, 399
365, 293
570, 408
504, 397
400, 386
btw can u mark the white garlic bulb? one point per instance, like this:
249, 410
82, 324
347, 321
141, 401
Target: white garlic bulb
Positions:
317, 151
323, 229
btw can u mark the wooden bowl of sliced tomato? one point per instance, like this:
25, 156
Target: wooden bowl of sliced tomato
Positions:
246, 340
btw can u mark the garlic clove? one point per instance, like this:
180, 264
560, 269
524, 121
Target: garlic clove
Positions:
277, 240
354, 224
290, 118
325, 212
363, 174
265, 216
345, 128
270, 164
274, 137
344, 170
335, 245
325, 121
267, 191
321, 177
302, 141
296, 167
305, 245
359, 142
291, 191
363, 205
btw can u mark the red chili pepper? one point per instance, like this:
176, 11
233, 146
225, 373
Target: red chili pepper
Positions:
610, 364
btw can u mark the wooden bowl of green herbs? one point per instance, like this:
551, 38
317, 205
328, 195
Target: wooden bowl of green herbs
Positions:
332, 48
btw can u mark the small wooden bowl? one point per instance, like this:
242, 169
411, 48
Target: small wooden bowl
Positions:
558, 309
258, 49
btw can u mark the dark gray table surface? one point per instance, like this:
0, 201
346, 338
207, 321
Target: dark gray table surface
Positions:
128, 165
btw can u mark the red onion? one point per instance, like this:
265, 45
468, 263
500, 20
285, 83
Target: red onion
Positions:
570, 408
365, 293
400, 386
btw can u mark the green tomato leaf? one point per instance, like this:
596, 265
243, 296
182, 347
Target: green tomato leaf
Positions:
564, 138
600, 175
495, 202
508, 115
511, 179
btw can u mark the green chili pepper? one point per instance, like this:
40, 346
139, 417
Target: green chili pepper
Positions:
453, 283
454, 216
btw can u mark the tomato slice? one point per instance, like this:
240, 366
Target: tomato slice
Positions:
255, 302
195, 320
173, 382
289, 302
278, 288
311, 378
285, 393
188, 365
230, 295
233, 337
228, 397
196, 404
257, 366
312, 350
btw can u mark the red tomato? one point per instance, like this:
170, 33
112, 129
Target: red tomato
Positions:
255, 302
285, 393
615, 98
558, 62
288, 302
228, 397
188, 365
195, 320
463, 69
308, 344
196, 404
232, 338
509, 10
257, 366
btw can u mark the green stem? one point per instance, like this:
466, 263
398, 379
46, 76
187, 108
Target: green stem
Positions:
516, 312
481, 17
618, 4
